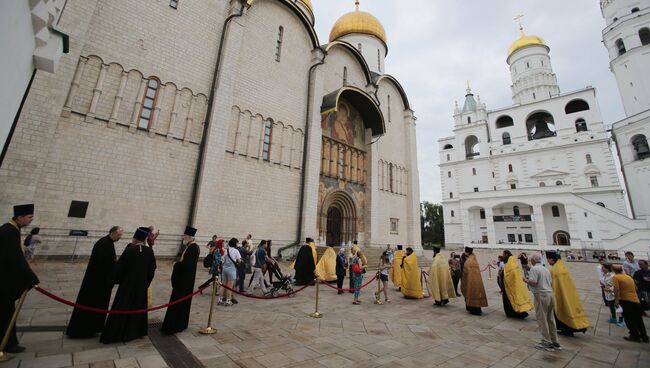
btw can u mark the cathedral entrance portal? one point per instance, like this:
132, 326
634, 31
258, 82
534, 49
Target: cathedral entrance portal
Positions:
561, 238
339, 218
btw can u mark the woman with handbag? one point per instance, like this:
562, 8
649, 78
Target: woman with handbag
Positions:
357, 266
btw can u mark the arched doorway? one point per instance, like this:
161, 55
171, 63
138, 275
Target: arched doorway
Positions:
339, 218
334, 224
561, 238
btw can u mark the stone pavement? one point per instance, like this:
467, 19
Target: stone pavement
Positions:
279, 333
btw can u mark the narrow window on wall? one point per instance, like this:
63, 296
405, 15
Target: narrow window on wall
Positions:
555, 210
534, 97
278, 47
394, 225
594, 181
390, 177
473, 171
513, 186
476, 189
389, 119
268, 134
482, 214
588, 157
342, 163
590, 235
345, 75
379, 60
173, 4
509, 167
449, 174
452, 213
148, 104
448, 157
528, 65
542, 62
469, 120
359, 47
515, 210
451, 195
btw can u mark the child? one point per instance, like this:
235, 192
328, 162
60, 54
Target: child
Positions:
608, 291
32, 241
384, 267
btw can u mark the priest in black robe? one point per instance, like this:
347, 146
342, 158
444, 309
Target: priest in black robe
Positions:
96, 288
15, 274
177, 316
133, 272
304, 265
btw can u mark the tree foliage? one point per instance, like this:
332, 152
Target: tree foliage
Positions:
432, 224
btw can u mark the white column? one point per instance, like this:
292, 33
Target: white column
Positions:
489, 220
67, 107
97, 92
137, 105
540, 228
118, 100
188, 121
174, 115
413, 184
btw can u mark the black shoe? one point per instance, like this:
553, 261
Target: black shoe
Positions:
15, 349
634, 339
340, 292
234, 301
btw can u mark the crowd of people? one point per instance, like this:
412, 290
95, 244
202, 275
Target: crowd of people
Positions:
557, 305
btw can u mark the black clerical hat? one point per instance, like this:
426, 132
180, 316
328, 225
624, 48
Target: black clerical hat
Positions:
190, 231
551, 254
141, 234
309, 240
469, 250
23, 210
436, 249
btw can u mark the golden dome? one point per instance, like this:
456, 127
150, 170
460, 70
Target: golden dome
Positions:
358, 22
524, 41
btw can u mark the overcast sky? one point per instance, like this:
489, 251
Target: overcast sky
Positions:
435, 46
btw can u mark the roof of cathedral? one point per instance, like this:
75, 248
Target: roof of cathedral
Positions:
524, 41
358, 22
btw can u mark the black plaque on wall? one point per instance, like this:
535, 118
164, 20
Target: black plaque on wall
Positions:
78, 209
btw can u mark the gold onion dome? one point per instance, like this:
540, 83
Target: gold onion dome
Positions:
524, 40
307, 3
358, 22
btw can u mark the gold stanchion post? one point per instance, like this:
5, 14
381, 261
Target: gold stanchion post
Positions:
489, 272
208, 330
5, 338
316, 313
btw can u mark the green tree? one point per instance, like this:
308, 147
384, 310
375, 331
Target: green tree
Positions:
432, 224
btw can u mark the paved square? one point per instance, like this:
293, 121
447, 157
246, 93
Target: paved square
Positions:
279, 333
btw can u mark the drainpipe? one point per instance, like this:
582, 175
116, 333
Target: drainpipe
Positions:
620, 161
206, 126
304, 148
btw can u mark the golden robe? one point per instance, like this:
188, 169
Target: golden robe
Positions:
568, 307
395, 272
411, 284
472, 284
439, 284
516, 290
326, 267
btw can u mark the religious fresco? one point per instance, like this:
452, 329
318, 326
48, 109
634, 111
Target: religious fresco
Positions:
356, 191
345, 125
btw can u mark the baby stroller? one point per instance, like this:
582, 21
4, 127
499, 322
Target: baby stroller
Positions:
283, 283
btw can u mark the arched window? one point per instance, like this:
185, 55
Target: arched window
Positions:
601, 204
278, 46
447, 146
472, 148
542, 184
556, 211
509, 167
540, 125
505, 137
268, 134
451, 195
449, 174
515, 210
473, 171
345, 75
581, 125
559, 182
620, 46
452, 213
640, 145
644, 36
588, 158
504, 121
634, 10
148, 104
575, 106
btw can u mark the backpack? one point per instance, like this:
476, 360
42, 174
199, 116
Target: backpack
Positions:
208, 260
28, 240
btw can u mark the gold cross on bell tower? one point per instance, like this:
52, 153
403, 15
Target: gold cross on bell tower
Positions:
518, 20
356, 4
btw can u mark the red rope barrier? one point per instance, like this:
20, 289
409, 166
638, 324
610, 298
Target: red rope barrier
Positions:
268, 296
98, 310
349, 289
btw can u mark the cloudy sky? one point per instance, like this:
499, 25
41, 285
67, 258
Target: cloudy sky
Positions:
435, 46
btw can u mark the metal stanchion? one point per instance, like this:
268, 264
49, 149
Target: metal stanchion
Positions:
208, 330
316, 313
5, 338
489, 272
378, 293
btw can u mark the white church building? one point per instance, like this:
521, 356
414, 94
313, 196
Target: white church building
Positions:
537, 174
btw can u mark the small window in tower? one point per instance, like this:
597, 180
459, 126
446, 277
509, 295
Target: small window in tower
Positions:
173, 4
278, 46
505, 137
620, 46
448, 157
268, 133
515, 210
581, 125
473, 171
534, 97
601, 204
359, 47
588, 158
594, 181
556, 211
469, 120
542, 184
379, 60
451, 195
513, 186
528, 65
492, 174
542, 61
590, 235
482, 214
644, 35
345, 75
634, 10
476, 189
452, 213
449, 174
559, 182
509, 167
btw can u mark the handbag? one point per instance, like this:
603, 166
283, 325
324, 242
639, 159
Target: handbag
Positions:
208, 260
357, 269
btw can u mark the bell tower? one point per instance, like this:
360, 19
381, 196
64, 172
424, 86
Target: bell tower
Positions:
627, 39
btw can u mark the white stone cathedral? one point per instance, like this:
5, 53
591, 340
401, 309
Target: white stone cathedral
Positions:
538, 174
230, 115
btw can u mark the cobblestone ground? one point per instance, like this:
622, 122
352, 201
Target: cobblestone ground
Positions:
279, 333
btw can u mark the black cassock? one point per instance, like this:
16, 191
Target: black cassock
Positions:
133, 271
95, 291
177, 316
15, 276
304, 266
